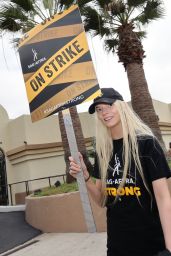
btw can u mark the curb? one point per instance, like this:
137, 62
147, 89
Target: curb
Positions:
15, 208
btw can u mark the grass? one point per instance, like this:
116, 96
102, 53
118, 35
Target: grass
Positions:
64, 188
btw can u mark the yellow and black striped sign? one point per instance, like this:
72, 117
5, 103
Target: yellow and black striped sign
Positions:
57, 65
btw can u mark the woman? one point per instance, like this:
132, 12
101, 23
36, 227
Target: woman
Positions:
131, 180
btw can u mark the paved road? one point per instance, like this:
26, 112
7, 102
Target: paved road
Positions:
68, 244
14, 230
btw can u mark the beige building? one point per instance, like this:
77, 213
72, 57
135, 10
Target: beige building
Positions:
34, 150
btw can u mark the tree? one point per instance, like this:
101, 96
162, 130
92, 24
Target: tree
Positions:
119, 23
21, 16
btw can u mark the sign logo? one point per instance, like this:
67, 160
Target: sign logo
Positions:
36, 60
34, 54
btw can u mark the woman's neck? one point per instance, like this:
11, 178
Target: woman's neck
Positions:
117, 132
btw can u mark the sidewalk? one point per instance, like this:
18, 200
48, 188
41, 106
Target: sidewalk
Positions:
68, 244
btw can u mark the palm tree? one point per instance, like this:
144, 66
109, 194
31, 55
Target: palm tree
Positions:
21, 16
119, 23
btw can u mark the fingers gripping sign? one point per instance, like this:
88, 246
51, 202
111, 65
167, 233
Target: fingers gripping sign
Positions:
77, 166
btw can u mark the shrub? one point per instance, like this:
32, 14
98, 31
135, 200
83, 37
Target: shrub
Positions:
63, 188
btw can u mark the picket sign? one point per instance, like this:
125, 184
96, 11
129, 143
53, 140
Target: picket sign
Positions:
58, 72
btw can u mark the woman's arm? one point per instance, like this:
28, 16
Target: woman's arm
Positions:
95, 189
163, 199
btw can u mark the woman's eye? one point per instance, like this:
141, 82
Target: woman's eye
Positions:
98, 109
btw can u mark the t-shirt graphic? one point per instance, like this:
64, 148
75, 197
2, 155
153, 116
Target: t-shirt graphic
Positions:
117, 165
114, 179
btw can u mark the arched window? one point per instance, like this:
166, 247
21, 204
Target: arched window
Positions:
3, 180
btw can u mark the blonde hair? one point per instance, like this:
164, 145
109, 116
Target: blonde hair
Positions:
133, 127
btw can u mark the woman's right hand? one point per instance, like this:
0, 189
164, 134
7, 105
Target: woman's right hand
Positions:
75, 168
95, 189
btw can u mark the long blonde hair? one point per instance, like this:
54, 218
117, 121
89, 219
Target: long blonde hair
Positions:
132, 127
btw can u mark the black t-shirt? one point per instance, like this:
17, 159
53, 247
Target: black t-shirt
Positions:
133, 224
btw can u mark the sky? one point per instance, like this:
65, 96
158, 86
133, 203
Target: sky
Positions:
110, 73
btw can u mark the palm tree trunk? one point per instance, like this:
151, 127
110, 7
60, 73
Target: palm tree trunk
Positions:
139, 91
79, 138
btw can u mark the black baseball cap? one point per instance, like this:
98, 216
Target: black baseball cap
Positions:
109, 96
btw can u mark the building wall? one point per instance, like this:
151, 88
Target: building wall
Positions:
44, 131
4, 121
163, 111
21, 130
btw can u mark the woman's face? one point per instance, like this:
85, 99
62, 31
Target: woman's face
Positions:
109, 115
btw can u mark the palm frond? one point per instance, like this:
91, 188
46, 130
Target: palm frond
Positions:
38, 10
82, 3
11, 18
92, 19
13, 12
68, 3
152, 11
103, 31
94, 23
26, 5
64, 4
102, 3
136, 3
10, 25
141, 34
111, 44
116, 7
26, 26
48, 5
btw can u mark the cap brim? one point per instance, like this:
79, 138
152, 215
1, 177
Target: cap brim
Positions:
91, 109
